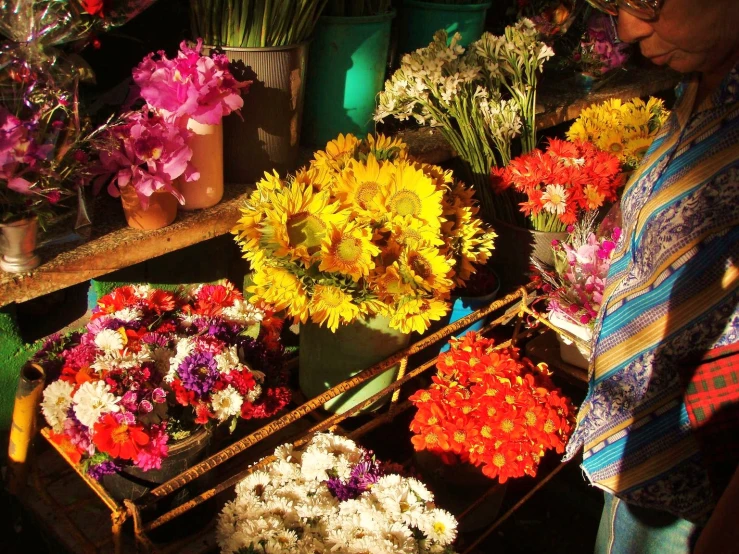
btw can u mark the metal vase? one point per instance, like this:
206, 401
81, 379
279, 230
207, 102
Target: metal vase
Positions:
17, 244
267, 135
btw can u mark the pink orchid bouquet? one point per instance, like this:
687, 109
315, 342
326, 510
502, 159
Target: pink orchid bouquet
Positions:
111, 402
599, 50
190, 86
146, 152
575, 289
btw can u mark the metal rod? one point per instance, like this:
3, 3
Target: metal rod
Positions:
220, 457
515, 507
495, 487
23, 428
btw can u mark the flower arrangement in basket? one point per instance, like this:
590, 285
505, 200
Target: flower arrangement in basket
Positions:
150, 149
561, 183
574, 290
481, 98
363, 231
332, 496
599, 50
625, 129
492, 408
151, 366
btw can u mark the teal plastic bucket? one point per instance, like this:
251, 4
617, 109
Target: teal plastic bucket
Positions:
348, 59
420, 20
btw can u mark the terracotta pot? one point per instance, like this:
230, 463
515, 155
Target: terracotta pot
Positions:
18, 245
162, 209
132, 483
207, 157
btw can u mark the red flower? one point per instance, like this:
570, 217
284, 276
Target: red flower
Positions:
161, 301
95, 7
119, 440
74, 453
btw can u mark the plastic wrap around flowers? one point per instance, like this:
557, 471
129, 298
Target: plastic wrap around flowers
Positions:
492, 408
332, 496
151, 365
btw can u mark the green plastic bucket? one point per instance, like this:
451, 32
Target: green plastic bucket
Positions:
326, 359
347, 69
420, 20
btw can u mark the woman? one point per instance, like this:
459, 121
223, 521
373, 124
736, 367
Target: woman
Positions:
660, 426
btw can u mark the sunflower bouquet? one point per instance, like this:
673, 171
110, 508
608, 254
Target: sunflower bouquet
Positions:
364, 230
625, 129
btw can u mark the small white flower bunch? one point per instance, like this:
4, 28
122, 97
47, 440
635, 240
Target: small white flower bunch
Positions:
481, 98
332, 496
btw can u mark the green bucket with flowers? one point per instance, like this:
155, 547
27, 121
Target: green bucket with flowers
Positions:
420, 20
364, 234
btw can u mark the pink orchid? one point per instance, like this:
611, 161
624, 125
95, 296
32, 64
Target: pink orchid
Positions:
149, 154
190, 85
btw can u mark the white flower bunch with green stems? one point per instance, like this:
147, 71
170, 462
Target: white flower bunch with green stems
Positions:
481, 99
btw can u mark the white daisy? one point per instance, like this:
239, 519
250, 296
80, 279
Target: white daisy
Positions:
440, 526
228, 360
57, 399
92, 400
127, 315
109, 340
243, 313
226, 403
555, 199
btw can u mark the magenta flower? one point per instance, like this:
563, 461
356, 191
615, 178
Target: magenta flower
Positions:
148, 154
190, 85
152, 454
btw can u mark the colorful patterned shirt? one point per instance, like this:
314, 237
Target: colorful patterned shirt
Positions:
665, 357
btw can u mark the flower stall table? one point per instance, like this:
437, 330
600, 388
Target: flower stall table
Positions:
219, 472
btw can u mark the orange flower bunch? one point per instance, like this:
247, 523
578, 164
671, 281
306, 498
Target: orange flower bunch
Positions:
493, 408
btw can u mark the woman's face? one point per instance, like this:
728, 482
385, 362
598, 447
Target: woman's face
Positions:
688, 35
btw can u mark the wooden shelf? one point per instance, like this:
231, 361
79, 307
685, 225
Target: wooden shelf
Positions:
112, 245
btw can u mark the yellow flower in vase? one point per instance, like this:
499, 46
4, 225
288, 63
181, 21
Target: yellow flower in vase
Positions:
384, 148
331, 305
472, 244
611, 141
635, 150
281, 289
297, 221
389, 284
359, 185
424, 267
408, 229
348, 250
337, 154
412, 192
416, 314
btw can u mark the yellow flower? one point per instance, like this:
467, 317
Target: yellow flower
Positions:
593, 197
406, 230
331, 304
337, 154
413, 193
359, 185
635, 150
296, 222
389, 284
248, 228
385, 148
472, 243
281, 289
424, 267
416, 314
611, 141
348, 250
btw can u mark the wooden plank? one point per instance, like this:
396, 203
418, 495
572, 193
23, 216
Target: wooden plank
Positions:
113, 245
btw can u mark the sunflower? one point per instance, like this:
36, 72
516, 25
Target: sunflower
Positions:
416, 314
612, 142
360, 183
389, 284
411, 192
472, 244
385, 148
281, 289
296, 222
337, 154
248, 228
424, 267
635, 150
331, 304
348, 250
406, 230
313, 177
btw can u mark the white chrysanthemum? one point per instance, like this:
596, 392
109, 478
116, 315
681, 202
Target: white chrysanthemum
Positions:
226, 403
127, 315
254, 483
228, 360
57, 399
316, 463
243, 313
254, 394
109, 340
92, 400
420, 490
121, 359
142, 291
188, 320
440, 526
288, 453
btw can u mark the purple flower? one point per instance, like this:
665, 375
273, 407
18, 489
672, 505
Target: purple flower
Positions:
156, 339
362, 477
130, 400
198, 372
108, 467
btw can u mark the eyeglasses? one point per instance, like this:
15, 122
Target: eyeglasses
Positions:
647, 10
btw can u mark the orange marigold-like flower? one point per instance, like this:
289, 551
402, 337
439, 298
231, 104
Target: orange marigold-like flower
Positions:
491, 407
